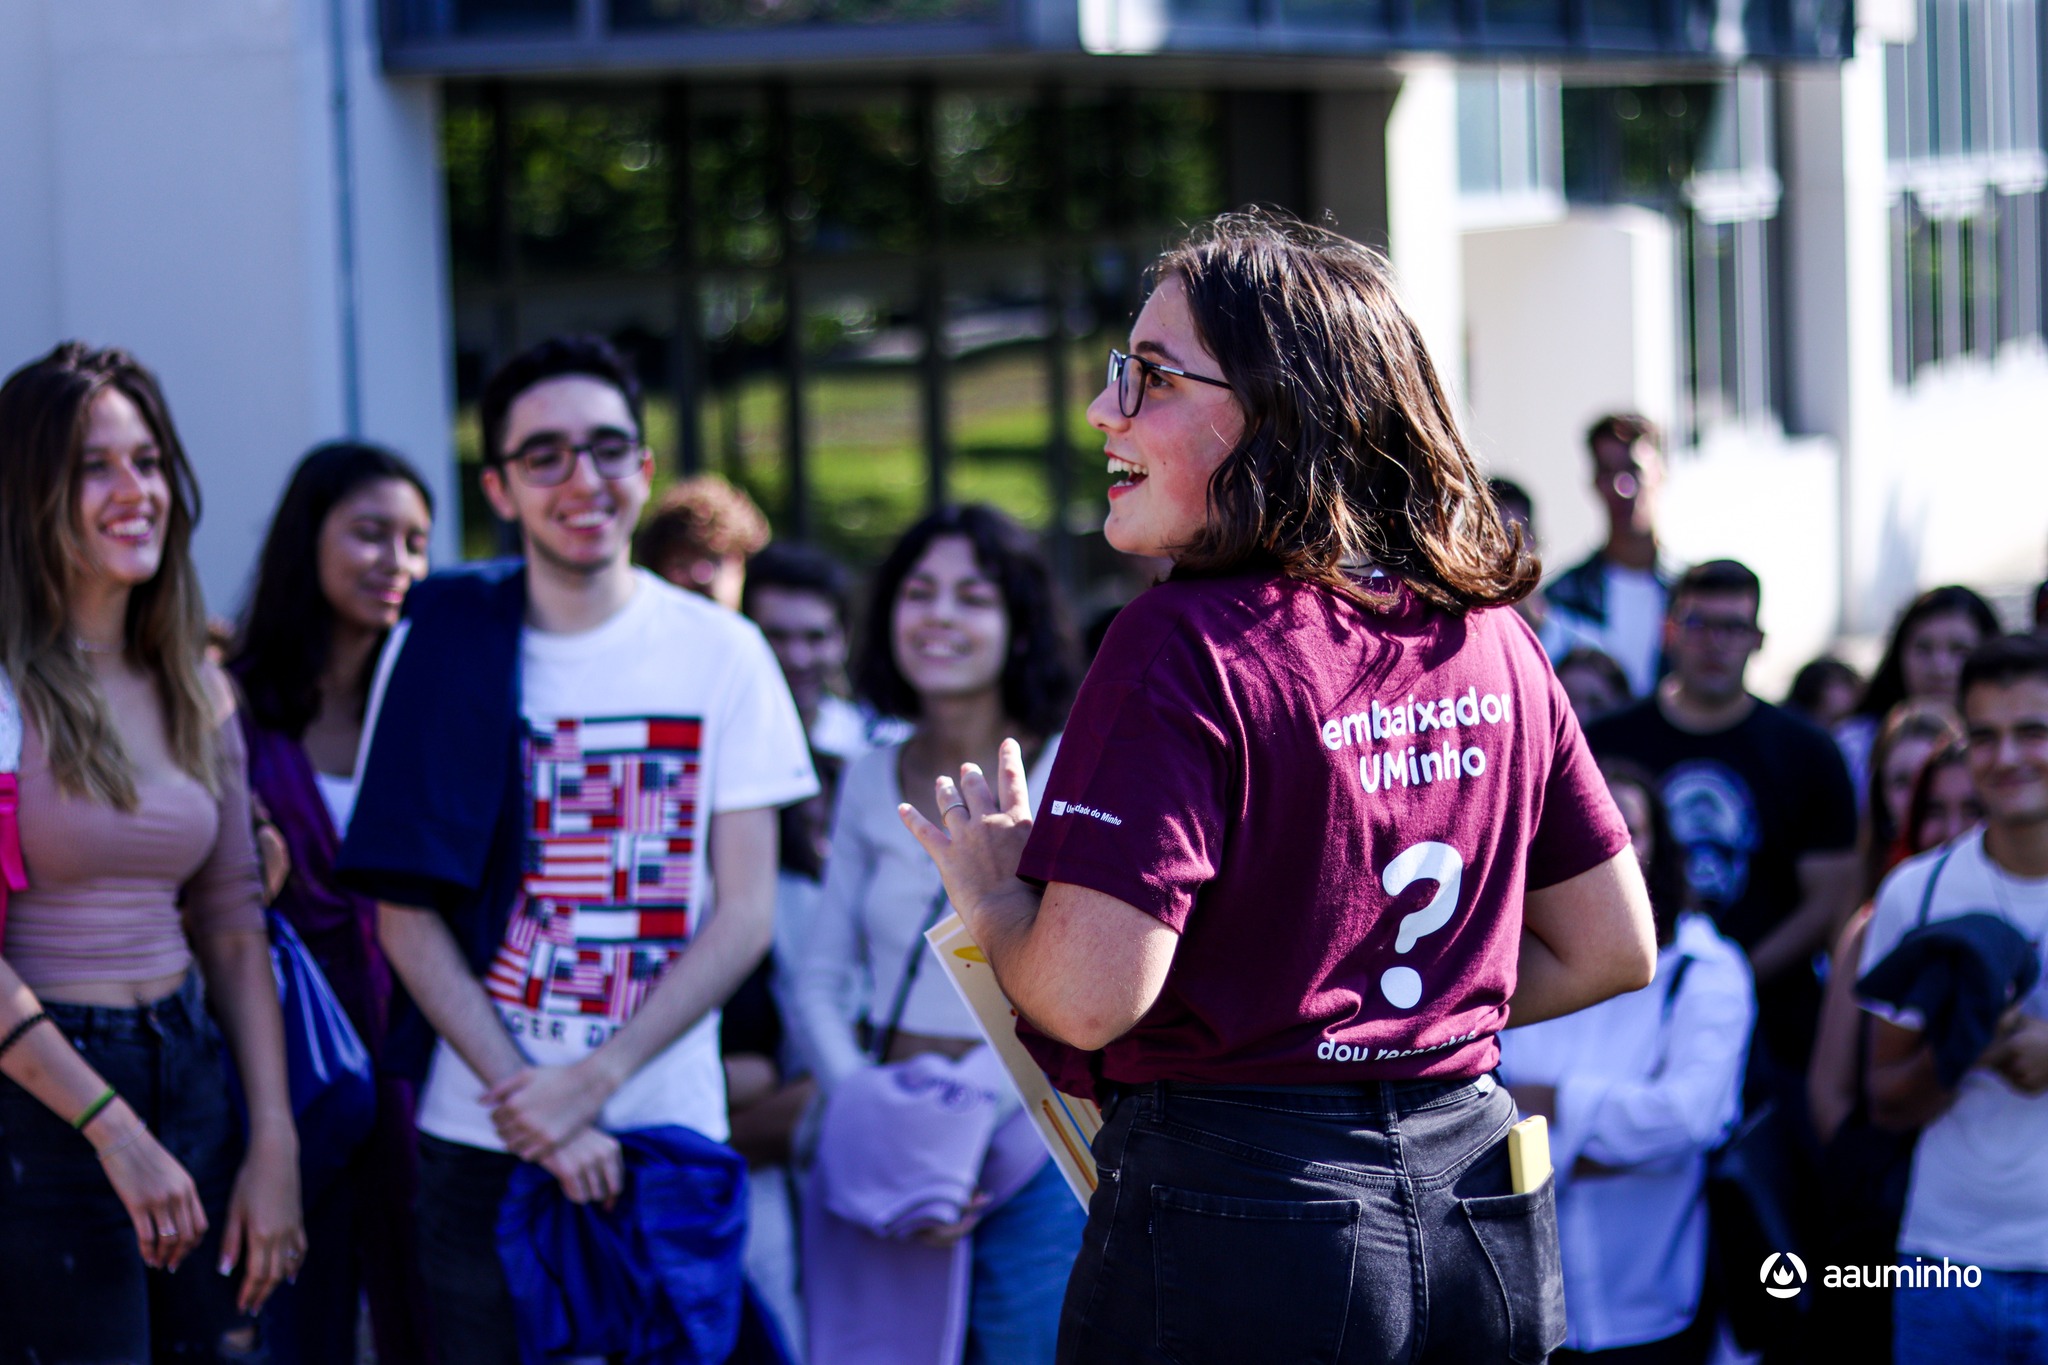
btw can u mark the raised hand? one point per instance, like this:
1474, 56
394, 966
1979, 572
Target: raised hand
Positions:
980, 837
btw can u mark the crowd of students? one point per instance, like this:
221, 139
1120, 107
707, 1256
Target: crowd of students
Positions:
1797, 827
500, 805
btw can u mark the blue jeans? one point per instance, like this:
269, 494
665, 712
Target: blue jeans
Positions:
73, 1288
2003, 1321
1332, 1225
1023, 1254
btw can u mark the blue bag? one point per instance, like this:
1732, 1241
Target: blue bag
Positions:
333, 1085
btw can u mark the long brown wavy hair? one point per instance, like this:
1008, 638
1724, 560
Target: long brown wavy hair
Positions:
1350, 452
45, 408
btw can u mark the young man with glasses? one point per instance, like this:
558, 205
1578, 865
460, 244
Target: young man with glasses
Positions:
1614, 601
1760, 800
562, 756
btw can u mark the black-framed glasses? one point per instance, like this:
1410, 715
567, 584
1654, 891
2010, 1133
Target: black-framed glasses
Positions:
1127, 377
544, 461
1728, 629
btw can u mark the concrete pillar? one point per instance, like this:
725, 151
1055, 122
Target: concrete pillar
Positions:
1837, 280
176, 184
1348, 161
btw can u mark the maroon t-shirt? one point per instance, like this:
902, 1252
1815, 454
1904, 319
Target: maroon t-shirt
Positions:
1337, 809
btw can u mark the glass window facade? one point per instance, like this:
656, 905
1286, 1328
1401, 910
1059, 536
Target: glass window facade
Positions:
1703, 153
852, 300
1965, 112
1510, 162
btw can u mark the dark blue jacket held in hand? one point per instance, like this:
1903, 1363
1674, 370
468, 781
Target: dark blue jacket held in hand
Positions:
657, 1279
1961, 975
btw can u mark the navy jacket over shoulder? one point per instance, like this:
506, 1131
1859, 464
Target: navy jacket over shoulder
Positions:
437, 815
1961, 974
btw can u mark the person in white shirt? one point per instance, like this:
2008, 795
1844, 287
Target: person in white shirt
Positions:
1614, 601
964, 640
1978, 1195
1638, 1089
657, 741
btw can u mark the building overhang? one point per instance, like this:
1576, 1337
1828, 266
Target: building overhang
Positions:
685, 37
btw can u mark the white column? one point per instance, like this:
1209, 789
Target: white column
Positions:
173, 187
1838, 300
1422, 212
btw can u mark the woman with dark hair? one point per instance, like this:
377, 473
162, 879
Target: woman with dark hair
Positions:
1922, 788
1638, 1090
1824, 691
120, 1156
1911, 734
347, 542
1922, 662
965, 640
1321, 816
1595, 684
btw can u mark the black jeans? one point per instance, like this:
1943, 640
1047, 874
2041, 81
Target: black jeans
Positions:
1369, 1223
73, 1288
460, 1190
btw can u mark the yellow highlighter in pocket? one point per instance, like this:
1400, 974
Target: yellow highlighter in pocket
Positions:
1529, 1153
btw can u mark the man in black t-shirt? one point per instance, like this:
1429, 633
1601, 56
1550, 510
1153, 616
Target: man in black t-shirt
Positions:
1759, 798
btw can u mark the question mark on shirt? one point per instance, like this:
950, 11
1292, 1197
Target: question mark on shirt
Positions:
1426, 862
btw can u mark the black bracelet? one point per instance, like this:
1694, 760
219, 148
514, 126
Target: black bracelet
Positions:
14, 1034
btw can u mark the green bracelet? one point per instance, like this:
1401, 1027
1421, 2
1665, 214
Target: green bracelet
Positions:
92, 1111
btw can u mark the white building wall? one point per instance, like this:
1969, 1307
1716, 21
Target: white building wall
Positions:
1876, 493
173, 189
1565, 321
1945, 481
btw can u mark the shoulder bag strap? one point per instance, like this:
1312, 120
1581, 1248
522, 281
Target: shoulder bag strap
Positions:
1678, 971
1671, 989
887, 1037
1927, 896
13, 871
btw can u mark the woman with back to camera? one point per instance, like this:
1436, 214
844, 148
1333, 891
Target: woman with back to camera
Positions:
120, 1160
963, 640
1922, 661
347, 542
1322, 816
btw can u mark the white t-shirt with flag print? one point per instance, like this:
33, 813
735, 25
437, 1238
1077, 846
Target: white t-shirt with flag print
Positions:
639, 731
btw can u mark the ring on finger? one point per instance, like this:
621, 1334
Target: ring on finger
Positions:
957, 805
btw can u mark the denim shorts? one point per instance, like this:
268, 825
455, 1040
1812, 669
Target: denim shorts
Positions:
73, 1286
1367, 1223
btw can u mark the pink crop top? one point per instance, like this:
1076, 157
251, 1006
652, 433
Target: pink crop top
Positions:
111, 893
